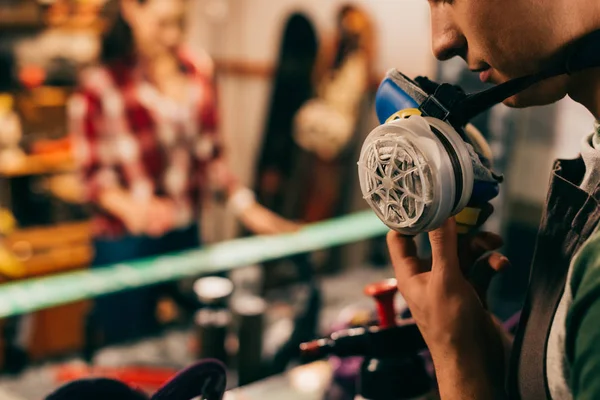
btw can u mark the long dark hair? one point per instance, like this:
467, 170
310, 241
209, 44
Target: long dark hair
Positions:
349, 42
117, 43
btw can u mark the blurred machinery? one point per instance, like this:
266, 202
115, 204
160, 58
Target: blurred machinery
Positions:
391, 367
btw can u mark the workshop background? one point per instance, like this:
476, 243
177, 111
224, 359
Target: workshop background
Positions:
270, 59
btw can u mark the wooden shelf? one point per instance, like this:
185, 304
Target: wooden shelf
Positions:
49, 250
54, 249
96, 28
40, 165
41, 237
59, 259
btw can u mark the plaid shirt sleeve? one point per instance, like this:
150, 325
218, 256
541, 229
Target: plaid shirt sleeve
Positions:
91, 149
209, 117
212, 150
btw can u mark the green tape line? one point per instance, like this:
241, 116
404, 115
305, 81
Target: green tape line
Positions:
40, 293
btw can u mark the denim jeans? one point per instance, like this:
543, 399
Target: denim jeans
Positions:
131, 314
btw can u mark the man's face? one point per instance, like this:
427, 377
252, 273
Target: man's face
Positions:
502, 40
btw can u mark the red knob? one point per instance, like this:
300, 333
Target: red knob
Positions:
384, 293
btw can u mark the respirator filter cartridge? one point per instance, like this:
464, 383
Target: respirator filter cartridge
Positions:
415, 173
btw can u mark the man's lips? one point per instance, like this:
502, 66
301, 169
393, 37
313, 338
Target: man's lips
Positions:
484, 70
484, 76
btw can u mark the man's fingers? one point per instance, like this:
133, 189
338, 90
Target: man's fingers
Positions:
471, 248
483, 271
498, 262
403, 253
444, 248
486, 241
401, 246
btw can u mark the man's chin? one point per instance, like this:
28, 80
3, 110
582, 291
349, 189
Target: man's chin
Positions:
541, 94
518, 101
524, 101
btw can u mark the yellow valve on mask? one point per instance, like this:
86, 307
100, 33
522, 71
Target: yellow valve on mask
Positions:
467, 219
407, 112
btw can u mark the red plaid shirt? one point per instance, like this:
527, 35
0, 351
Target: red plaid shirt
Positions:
127, 135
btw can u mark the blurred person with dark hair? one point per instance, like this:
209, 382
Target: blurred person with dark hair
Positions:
145, 129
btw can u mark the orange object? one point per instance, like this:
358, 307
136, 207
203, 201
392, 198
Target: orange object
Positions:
52, 146
135, 376
32, 76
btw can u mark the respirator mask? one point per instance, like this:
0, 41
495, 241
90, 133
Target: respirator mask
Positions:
426, 163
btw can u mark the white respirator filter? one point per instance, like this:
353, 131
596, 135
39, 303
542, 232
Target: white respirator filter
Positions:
415, 173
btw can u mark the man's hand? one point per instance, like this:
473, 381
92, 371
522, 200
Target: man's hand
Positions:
464, 342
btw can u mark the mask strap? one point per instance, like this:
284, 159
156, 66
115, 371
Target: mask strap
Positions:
476, 103
582, 55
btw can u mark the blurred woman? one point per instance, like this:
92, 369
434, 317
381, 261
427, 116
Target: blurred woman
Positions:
145, 127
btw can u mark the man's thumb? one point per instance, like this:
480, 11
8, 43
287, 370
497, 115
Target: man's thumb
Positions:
444, 248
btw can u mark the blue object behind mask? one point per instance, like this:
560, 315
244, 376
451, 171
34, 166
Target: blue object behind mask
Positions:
390, 99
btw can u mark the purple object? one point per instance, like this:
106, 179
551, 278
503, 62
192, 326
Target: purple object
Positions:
206, 379
512, 323
96, 389
346, 368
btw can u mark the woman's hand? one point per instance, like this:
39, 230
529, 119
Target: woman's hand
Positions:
154, 218
263, 221
465, 344
160, 217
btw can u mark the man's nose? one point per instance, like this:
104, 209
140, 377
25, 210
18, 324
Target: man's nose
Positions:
447, 39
